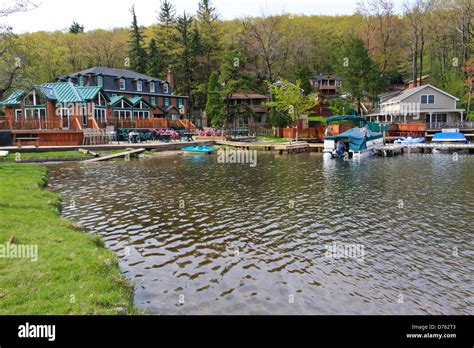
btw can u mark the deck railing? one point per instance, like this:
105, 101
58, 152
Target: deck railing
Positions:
442, 125
32, 125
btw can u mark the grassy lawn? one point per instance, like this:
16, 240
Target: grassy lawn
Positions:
39, 155
73, 274
270, 138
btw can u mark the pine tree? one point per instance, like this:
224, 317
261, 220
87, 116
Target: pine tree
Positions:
303, 74
155, 62
76, 28
138, 54
186, 60
209, 26
215, 104
360, 74
167, 16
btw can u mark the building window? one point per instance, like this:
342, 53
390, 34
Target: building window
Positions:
427, 99
81, 81
84, 115
167, 101
165, 88
100, 81
65, 118
122, 84
17, 115
180, 102
152, 87
100, 115
153, 101
139, 86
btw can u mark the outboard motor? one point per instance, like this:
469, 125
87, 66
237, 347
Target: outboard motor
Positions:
340, 149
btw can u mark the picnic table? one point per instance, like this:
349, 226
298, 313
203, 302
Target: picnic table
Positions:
188, 136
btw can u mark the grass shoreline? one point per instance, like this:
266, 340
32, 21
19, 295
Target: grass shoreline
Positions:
74, 273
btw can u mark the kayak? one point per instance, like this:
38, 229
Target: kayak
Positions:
409, 140
199, 149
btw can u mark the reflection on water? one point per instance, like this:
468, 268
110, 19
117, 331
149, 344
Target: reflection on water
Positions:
199, 237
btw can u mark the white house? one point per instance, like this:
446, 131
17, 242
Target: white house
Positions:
424, 104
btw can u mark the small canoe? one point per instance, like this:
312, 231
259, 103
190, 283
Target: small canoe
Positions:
199, 149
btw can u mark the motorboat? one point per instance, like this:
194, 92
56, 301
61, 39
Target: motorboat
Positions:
409, 140
199, 149
354, 143
445, 138
3, 153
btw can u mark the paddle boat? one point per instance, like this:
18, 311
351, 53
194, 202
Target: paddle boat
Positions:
449, 137
3, 153
199, 149
409, 140
357, 142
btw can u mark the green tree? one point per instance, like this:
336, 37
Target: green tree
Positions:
167, 16
289, 100
215, 104
138, 54
234, 78
76, 28
209, 27
303, 73
155, 62
360, 75
186, 60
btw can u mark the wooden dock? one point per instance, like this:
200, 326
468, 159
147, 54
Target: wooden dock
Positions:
150, 146
397, 149
292, 148
124, 154
247, 146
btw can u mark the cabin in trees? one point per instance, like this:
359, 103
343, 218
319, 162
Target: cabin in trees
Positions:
426, 107
248, 109
326, 87
93, 98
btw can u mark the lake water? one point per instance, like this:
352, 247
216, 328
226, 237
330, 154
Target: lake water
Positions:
199, 237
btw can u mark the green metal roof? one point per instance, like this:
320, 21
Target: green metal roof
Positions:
14, 98
346, 118
62, 92
136, 100
59, 92
89, 93
115, 99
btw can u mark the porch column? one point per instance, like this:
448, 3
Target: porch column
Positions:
405, 118
462, 116
431, 118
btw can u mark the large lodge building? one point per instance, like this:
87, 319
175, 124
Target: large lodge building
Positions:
56, 113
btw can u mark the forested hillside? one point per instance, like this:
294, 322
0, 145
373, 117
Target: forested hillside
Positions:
433, 37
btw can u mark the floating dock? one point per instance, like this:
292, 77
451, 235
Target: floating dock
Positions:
398, 149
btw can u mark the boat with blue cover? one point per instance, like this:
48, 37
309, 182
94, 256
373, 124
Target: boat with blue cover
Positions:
448, 138
199, 149
355, 143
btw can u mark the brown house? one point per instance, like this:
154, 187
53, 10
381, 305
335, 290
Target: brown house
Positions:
93, 98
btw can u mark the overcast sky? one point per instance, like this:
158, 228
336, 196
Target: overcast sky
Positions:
59, 14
